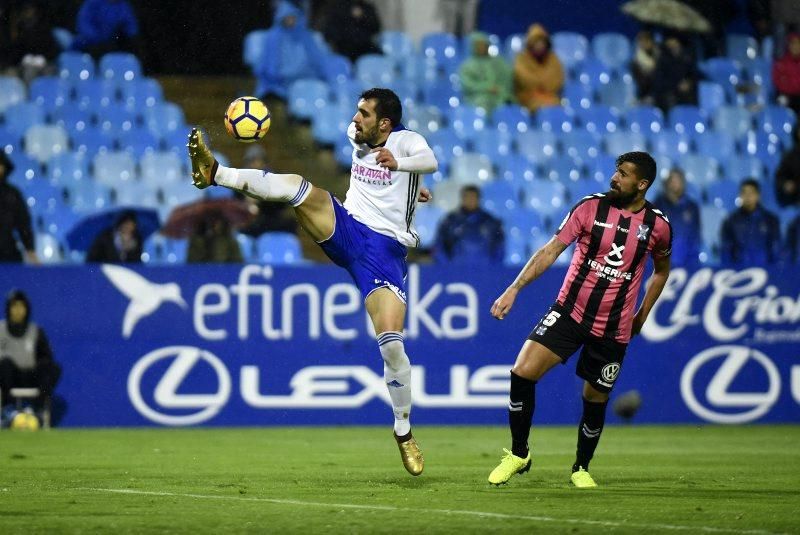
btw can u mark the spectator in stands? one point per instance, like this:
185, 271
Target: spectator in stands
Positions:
538, 74
470, 234
643, 66
750, 235
15, 220
213, 241
270, 216
120, 244
351, 27
786, 73
684, 214
485, 80
26, 359
793, 240
676, 76
27, 45
293, 53
787, 177
106, 26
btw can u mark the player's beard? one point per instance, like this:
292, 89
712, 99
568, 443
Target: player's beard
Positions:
367, 136
619, 198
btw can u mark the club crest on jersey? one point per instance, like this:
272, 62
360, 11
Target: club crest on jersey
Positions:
641, 233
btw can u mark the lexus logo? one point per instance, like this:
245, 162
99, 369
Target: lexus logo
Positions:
165, 394
616, 252
747, 406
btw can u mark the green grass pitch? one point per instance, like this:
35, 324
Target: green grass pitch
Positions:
653, 479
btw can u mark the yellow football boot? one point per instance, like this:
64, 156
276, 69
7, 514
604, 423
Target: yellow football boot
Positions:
582, 480
204, 165
509, 465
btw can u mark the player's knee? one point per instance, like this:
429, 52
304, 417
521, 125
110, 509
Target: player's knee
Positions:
393, 351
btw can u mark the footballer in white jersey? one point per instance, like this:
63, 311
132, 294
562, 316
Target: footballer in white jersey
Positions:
367, 236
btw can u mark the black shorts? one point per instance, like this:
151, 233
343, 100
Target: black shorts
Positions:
601, 358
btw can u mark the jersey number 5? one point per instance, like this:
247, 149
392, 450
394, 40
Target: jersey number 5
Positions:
551, 318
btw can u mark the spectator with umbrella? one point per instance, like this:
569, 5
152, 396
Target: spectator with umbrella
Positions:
115, 236
213, 241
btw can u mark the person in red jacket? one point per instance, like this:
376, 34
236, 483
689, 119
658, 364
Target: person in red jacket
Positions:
786, 72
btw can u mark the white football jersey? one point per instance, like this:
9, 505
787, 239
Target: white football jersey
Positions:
385, 200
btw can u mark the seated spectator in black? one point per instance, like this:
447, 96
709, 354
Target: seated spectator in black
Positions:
120, 244
351, 27
643, 66
15, 220
675, 79
470, 234
26, 359
213, 242
793, 241
27, 44
684, 214
751, 234
787, 177
106, 26
270, 216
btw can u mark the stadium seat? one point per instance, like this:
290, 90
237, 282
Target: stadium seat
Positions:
420, 70
426, 222
95, 95
499, 196
570, 47
471, 168
764, 146
138, 142
700, 169
467, 120
563, 169
555, 119
516, 169
423, 119
247, 246
154, 249
443, 48
134, 193
737, 168
91, 141
173, 194
521, 222
511, 118
41, 196
279, 248
580, 144
49, 92
22, 116
593, 73
75, 66
733, 120
613, 49
57, 221
688, 120
141, 93
86, 197
778, 119
618, 94
514, 44
624, 141
759, 72
598, 119
120, 67
447, 195
441, 94
396, 45
12, 91
116, 121
493, 143
712, 218
254, 48
711, 96
723, 71
330, 125
48, 249
741, 47
582, 188
537, 145
722, 194
446, 144
718, 145
375, 70
73, 119
307, 97
45, 141
338, 68
111, 168
516, 250
671, 144
164, 118
644, 119
577, 95
68, 167
548, 198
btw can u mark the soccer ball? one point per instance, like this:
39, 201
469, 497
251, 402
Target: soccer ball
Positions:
24, 421
247, 119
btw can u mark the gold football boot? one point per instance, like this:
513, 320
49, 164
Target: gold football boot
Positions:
204, 165
411, 455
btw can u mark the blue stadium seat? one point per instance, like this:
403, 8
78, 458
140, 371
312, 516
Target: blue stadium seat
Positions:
764, 146
723, 194
91, 141
141, 93
396, 45
711, 96
602, 167
254, 48
68, 167
441, 94
723, 71
120, 67
582, 188
306, 97
671, 144
712, 218
447, 195
406, 90
537, 145
95, 95
598, 119
330, 124
446, 145
41, 196
346, 93
548, 198
338, 68
134, 193
164, 118
443, 48
48, 249
718, 145
778, 119
279, 248
12, 91
593, 73
426, 221
511, 118
138, 141
613, 49
247, 246
644, 119
467, 120
49, 92
111, 168
516, 250
471, 168
625, 141
577, 95
499, 196
580, 144
25, 167
563, 169
75, 66
56, 222
420, 70
619, 94
516, 169
759, 72
87, 196
423, 119
555, 119
154, 249
343, 153
176, 193
741, 47
493, 143
521, 222
700, 169
73, 119
116, 121
45, 141
737, 168
175, 140
375, 70
514, 44
733, 120
686, 119
22, 116
570, 47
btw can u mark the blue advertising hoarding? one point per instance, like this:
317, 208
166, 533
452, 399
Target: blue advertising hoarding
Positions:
256, 345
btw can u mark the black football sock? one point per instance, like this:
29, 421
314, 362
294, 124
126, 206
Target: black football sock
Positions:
594, 416
522, 400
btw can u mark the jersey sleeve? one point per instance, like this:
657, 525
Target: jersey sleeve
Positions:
662, 246
415, 155
574, 224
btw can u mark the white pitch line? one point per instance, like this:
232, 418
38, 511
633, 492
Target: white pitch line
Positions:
480, 514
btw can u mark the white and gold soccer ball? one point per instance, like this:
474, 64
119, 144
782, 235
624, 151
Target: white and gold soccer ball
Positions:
247, 119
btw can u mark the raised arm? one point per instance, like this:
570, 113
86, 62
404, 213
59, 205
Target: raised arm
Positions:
536, 265
655, 285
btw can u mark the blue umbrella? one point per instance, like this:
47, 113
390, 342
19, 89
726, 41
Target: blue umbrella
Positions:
82, 234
